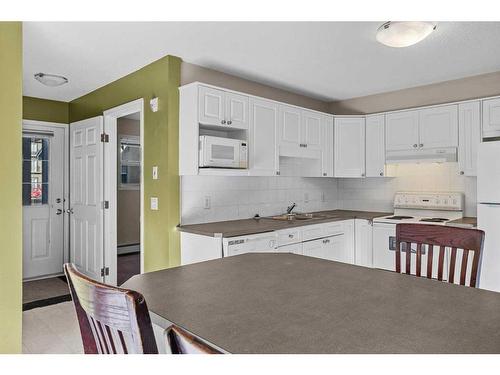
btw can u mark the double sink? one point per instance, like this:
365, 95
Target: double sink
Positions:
301, 216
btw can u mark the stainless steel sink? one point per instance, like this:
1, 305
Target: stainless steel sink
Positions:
291, 217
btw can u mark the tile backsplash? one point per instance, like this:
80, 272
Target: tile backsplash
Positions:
243, 197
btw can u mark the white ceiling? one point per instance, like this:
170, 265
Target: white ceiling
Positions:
328, 61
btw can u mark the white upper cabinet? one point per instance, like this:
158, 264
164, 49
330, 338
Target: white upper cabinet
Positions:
236, 110
289, 128
491, 118
402, 130
263, 157
469, 127
327, 145
311, 130
221, 108
349, 147
438, 127
211, 106
375, 146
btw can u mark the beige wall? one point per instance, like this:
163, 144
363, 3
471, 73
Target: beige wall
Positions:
129, 204
192, 73
449, 91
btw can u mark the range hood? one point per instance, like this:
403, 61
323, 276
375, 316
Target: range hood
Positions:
431, 155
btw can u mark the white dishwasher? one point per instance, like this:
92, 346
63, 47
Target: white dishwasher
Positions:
253, 243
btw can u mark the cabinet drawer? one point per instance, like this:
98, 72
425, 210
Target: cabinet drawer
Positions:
289, 236
295, 248
332, 229
312, 232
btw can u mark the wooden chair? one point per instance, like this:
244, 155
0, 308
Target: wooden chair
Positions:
469, 240
112, 320
181, 342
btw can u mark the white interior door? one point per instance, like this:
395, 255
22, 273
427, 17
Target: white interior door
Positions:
43, 202
86, 196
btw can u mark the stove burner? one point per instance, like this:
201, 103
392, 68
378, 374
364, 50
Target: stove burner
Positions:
399, 217
434, 220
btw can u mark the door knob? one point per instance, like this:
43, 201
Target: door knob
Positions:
59, 211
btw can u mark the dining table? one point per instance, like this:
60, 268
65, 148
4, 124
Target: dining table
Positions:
287, 303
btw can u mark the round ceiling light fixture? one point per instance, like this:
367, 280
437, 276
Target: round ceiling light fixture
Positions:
404, 33
51, 80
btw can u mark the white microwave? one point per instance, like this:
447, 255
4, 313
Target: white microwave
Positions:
218, 152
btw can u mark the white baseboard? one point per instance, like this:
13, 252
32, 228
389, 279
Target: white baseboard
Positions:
127, 249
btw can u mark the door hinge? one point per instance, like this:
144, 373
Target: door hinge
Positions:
105, 205
104, 271
104, 138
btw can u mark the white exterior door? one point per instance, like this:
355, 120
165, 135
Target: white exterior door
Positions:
236, 108
86, 196
491, 118
375, 146
211, 106
469, 129
401, 131
349, 149
43, 202
438, 127
262, 141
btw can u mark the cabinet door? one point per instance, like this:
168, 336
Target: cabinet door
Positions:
363, 255
311, 130
314, 249
289, 127
375, 146
438, 127
469, 137
262, 141
401, 131
349, 147
491, 118
236, 110
327, 146
211, 106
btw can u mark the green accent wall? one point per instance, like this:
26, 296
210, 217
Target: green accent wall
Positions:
45, 110
161, 147
10, 188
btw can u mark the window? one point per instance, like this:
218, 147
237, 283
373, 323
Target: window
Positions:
129, 163
35, 170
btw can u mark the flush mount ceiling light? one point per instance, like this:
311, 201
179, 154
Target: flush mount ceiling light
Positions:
404, 33
51, 80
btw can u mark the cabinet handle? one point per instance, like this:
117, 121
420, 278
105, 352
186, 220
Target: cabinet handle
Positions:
324, 174
421, 145
290, 236
59, 211
415, 145
462, 172
305, 145
381, 173
362, 175
223, 122
229, 122
277, 173
326, 241
69, 211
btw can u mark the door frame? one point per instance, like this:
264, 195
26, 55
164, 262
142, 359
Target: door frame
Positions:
110, 184
35, 125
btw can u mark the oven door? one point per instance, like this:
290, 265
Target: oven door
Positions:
220, 152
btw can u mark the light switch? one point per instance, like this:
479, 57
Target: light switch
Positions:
155, 172
154, 203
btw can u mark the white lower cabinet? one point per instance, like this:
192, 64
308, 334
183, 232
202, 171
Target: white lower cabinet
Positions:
363, 254
331, 248
295, 248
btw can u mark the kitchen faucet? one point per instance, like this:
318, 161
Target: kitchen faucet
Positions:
290, 208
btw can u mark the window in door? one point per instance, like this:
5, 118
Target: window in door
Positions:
35, 171
129, 163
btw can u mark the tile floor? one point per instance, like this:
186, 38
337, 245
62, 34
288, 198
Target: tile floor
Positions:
43, 289
51, 330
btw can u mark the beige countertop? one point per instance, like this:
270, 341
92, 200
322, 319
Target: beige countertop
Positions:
233, 228
286, 303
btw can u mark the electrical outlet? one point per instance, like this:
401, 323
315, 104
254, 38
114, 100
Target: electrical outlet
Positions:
306, 197
154, 203
155, 172
206, 202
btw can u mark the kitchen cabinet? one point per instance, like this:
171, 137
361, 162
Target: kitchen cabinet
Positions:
363, 231
263, 158
349, 147
295, 248
327, 146
289, 128
375, 146
435, 127
491, 118
222, 109
438, 127
469, 128
311, 130
330, 248
401, 130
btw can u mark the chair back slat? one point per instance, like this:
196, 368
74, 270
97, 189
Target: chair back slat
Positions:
180, 341
452, 239
112, 320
